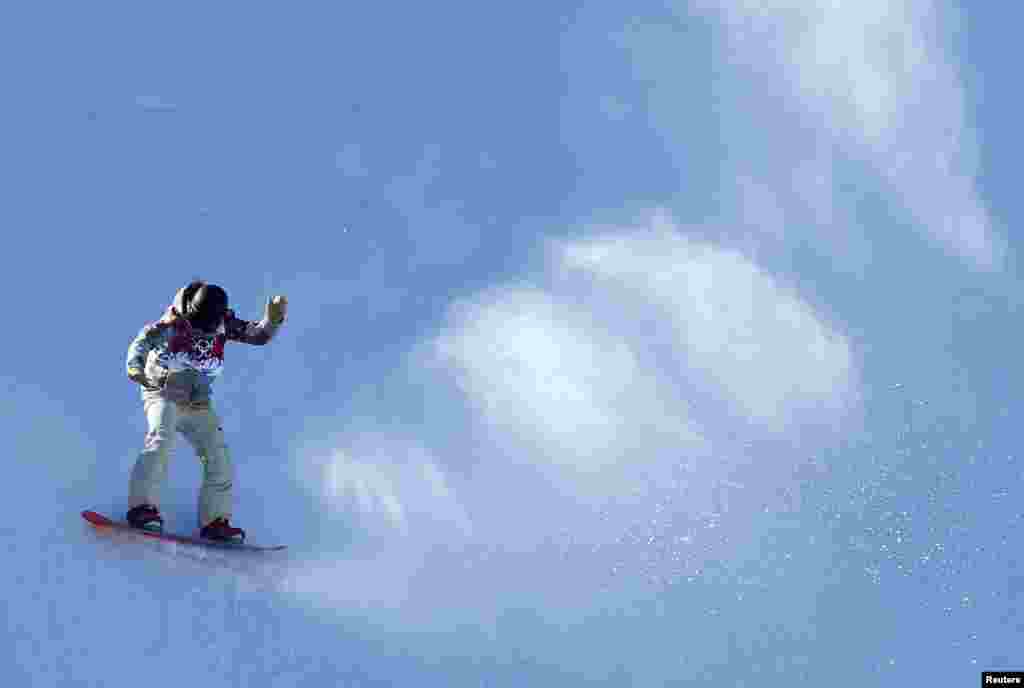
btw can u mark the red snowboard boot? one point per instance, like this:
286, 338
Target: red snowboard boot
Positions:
220, 529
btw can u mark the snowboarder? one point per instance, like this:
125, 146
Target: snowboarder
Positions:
176, 360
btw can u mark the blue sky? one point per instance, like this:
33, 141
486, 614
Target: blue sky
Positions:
647, 345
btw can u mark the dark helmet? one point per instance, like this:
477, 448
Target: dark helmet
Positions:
203, 305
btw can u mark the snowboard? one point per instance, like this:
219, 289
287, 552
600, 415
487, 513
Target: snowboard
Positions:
101, 521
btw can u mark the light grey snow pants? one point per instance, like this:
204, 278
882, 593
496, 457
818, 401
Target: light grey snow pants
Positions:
201, 427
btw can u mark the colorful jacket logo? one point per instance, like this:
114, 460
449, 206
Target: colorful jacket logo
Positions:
190, 349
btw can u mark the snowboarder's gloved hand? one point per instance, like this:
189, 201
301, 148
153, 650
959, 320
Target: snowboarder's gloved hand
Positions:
276, 310
138, 375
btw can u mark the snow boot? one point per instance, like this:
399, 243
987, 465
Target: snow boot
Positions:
145, 517
220, 529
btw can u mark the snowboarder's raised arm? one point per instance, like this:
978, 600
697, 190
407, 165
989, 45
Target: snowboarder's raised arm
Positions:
258, 333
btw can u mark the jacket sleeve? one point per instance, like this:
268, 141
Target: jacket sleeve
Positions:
249, 331
140, 347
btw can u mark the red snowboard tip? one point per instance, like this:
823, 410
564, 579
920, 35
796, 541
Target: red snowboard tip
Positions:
96, 519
